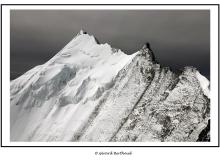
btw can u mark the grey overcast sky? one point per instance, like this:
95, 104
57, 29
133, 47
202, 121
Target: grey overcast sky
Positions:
178, 37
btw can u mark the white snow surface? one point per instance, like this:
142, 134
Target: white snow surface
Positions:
204, 83
52, 101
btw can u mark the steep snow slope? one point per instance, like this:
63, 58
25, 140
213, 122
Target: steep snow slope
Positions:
92, 92
52, 101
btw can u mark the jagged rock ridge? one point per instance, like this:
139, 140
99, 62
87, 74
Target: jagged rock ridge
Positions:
93, 92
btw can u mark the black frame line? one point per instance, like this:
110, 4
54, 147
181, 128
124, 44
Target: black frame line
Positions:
114, 5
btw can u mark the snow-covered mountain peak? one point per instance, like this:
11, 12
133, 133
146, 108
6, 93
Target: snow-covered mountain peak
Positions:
82, 62
93, 92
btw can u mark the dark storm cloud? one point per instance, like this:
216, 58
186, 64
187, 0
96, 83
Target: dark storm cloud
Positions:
178, 37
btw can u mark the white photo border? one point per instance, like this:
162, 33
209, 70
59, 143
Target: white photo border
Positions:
5, 71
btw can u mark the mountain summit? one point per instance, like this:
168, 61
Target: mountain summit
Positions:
93, 92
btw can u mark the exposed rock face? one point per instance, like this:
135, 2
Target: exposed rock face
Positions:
92, 92
170, 109
147, 51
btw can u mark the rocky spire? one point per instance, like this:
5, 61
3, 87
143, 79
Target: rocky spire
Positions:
147, 52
